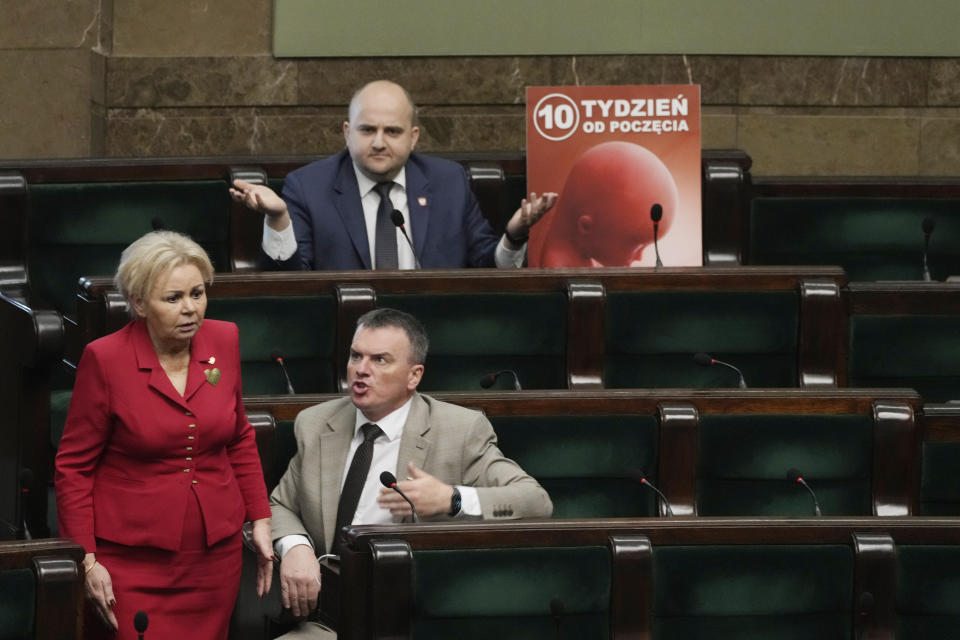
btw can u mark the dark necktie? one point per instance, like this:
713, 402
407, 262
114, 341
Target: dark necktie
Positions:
356, 478
385, 249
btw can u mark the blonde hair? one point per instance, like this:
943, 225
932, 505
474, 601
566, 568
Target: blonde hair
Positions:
153, 255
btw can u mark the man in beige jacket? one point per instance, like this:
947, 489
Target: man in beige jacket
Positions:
448, 455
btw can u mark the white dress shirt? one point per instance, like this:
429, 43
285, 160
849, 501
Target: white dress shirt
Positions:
386, 452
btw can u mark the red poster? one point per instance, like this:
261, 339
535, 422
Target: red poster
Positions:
620, 157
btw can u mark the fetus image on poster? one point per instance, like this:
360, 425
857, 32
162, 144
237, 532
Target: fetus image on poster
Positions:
603, 215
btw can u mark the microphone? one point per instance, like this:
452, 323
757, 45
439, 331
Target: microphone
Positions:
276, 357
487, 381
556, 612
928, 225
666, 503
156, 223
26, 486
140, 623
865, 604
397, 218
656, 213
389, 480
793, 475
705, 360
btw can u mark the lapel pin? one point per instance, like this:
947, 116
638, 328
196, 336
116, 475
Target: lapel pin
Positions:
213, 375
422, 201
211, 360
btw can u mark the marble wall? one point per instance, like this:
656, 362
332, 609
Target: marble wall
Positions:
181, 78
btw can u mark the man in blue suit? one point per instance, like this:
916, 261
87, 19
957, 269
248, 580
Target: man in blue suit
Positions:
351, 210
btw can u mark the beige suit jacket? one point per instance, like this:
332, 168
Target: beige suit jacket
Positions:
454, 444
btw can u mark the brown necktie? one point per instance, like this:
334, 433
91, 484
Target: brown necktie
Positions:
385, 249
356, 478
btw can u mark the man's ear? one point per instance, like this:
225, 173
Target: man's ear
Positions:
416, 374
346, 129
585, 224
414, 136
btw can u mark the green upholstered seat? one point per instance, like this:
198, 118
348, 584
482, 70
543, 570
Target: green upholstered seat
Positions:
871, 238
80, 229
928, 591
746, 592
940, 479
506, 593
651, 338
589, 465
474, 334
302, 329
915, 351
17, 604
744, 460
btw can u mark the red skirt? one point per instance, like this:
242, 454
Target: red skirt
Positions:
186, 594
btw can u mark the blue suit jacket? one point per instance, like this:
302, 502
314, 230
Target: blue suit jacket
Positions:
323, 198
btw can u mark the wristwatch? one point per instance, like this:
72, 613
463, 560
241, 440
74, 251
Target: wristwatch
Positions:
454, 503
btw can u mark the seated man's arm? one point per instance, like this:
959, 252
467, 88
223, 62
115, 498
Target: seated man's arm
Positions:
285, 244
299, 568
505, 490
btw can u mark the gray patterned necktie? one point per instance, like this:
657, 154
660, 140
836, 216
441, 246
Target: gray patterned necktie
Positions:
385, 248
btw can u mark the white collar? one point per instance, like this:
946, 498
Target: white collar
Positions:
391, 424
366, 184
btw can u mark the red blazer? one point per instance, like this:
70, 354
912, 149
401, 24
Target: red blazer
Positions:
133, 449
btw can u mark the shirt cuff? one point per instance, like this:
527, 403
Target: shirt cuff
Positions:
506, 258
279, 245
284, 544
469, 502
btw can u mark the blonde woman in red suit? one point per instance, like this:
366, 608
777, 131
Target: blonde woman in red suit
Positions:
158, 468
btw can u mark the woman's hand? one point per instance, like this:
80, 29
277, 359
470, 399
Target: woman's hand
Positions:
99, 589
263, 541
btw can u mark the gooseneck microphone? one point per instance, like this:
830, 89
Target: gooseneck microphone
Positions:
276, 357
705, 360
666, 503
865, 606
487, 381
140, 623
928, 225
397, 218
656, 213
793, 475
389, 480
556, 612
26, 486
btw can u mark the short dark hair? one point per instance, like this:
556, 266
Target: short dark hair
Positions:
386, 317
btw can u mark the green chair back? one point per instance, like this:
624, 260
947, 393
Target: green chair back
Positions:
871, 238
589, 464
921, 352
928, 591
475, 334
651, 338
744, 460
939, 479
18, 593
747, 592
506, 593
301, 328
80, 229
